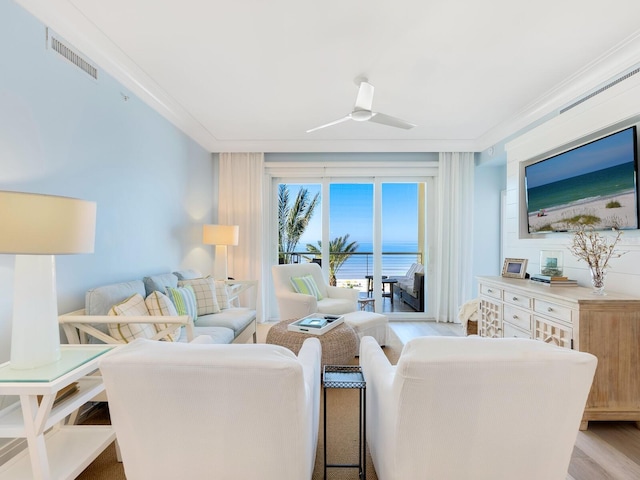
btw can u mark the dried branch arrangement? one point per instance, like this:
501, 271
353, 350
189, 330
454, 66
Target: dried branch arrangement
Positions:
595, 249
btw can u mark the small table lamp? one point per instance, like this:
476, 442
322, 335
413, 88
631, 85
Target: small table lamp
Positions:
36, 227
220, 236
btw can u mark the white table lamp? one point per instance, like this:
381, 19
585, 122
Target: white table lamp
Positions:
221, 236
35, 228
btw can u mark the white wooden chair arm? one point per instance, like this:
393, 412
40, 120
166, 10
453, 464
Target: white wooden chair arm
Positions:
236, 287
78, 326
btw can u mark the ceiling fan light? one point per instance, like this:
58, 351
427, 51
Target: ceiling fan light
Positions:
361, 115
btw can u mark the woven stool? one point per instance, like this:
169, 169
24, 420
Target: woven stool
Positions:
368, 324
339, 345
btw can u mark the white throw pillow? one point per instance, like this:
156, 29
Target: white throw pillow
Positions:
222, 294
159, 304
133, 306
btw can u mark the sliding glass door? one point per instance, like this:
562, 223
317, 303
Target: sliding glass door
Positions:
372, 230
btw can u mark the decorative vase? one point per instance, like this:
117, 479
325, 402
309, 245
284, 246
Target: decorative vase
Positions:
597, 280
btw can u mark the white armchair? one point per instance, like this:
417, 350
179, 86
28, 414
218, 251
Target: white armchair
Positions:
214, 411
335, 300
472, 407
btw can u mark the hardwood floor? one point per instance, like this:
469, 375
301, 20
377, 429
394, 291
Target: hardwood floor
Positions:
606, 451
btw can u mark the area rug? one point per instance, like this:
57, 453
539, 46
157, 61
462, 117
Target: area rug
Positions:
342, 434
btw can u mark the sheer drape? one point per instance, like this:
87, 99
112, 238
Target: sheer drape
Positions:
454, 234
241, 203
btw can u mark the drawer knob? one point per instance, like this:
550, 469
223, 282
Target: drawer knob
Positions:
515, 299
515, 317
489, 290
549, 309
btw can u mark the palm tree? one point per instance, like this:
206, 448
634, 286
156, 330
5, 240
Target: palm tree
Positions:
293, 219
339, 252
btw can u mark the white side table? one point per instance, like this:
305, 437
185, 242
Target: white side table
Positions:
55, 451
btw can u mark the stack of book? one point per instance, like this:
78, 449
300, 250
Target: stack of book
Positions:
549, 280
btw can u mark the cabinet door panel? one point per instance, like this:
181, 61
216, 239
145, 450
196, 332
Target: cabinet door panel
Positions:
551, 332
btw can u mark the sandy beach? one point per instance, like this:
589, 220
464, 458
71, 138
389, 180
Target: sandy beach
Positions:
621, 217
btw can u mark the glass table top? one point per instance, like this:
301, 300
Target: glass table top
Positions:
70, 357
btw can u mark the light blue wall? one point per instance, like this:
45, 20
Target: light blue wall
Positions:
63, 133
489, 182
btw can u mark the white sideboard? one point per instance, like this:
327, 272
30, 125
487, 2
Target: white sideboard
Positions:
573, 317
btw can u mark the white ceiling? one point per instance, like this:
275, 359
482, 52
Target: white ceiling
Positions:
254, 75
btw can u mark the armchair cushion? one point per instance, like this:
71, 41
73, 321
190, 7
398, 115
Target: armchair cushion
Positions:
205, 292
127, 332
306, 285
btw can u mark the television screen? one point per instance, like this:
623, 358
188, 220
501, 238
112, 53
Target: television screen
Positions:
593, 184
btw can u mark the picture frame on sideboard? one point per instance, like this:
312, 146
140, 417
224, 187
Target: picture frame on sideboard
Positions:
514, 267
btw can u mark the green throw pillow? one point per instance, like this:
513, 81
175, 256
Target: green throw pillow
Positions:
306, 285
184, 299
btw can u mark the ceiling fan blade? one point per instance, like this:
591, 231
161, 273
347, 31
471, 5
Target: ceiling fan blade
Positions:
335, 122
364, 100
391, 121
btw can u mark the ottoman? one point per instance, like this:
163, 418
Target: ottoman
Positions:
368, 324
339, 345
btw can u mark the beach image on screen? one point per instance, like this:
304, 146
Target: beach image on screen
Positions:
594, 185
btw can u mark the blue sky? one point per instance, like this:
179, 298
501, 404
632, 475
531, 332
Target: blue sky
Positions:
352, 212
604, 153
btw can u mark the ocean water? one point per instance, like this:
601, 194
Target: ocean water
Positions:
609, 181
396, 260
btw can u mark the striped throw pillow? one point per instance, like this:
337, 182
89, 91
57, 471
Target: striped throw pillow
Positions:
184, 299
133, 306
306, 285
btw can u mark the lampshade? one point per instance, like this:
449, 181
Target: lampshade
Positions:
36, 227
34, 224
220, 234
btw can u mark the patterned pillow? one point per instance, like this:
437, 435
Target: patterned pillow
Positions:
159, 304
184, 299
222, 294
127, 332
205, 291
306, 285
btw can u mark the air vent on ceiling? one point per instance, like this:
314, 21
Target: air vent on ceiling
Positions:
601, 89
62, 48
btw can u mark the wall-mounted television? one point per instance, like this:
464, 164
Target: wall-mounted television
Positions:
594, 184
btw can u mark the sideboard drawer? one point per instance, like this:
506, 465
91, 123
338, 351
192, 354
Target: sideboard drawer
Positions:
517, 317
510, 331
517, 299
553, 310
491, 291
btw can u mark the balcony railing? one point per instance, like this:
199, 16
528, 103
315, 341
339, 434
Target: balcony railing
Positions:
360, 264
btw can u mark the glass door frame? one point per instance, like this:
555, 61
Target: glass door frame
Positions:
306, 173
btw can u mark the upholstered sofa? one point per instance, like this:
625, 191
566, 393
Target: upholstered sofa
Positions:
410, 287
97, 323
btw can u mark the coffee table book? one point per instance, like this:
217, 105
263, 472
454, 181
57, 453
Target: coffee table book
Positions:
316, 323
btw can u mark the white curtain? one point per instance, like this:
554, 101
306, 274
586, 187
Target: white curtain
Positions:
240, 202
454, 232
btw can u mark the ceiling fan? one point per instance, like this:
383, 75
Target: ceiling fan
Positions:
362, 111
